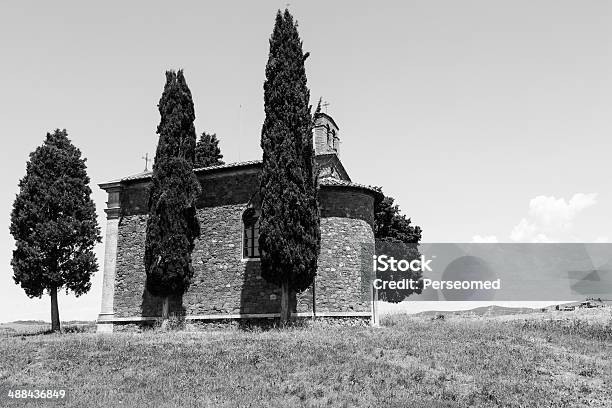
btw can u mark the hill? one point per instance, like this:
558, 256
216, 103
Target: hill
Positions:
553, 359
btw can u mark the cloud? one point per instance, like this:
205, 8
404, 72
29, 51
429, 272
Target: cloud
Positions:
526, 231
487, 239
551, 219
601, 240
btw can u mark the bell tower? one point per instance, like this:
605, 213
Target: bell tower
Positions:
325, 134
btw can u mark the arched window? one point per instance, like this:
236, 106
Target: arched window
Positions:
250, 246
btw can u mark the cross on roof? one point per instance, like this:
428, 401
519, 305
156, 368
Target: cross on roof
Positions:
325, 105
147, 160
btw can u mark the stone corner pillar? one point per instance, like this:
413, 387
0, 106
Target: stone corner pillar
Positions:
374, 303
107, 314
375, 317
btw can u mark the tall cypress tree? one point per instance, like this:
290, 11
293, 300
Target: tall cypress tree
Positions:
54, 223
172, 225
289, 238
207, 151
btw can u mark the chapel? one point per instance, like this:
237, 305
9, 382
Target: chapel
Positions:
227, 284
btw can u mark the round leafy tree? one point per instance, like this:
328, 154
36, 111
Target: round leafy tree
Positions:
54, 223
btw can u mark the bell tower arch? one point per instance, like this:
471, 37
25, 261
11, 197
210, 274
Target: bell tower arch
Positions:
326, 135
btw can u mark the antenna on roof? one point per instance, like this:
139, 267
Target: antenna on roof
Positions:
239, 129
147, 160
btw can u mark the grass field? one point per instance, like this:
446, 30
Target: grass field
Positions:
546, 360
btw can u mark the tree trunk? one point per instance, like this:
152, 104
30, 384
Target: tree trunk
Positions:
314, 299
165, 312
285, 311
55, 320
166, 307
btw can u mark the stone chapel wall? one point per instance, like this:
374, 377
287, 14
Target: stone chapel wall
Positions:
226, 284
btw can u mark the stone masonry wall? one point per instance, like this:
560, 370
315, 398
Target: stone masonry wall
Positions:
220, 189
224, 283
130, 273
342, 282
346, 203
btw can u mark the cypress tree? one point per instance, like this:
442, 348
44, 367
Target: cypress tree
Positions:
207, 151
289, 238
172, 225
54, 223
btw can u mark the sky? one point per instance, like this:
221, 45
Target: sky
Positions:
487, 121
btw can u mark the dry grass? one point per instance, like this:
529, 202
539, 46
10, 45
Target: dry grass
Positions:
456, 362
